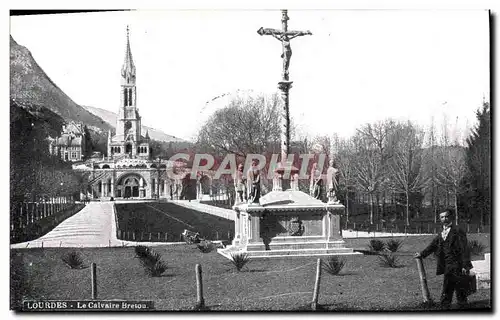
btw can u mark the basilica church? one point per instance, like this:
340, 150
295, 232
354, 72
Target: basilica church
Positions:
128, 171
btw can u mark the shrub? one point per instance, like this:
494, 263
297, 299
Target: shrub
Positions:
151, 261
376, 245
156, 269
333, 265
388, 260
239, 260
206, 246
394, 245
476, 247
141, 251
151, 258
73, 259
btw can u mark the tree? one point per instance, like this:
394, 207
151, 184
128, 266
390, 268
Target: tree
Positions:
344, 160
430, 164
378, 133
452, 171
478, 160
244, 126
405, 169
367, 168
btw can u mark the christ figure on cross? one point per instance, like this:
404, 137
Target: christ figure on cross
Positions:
284, 37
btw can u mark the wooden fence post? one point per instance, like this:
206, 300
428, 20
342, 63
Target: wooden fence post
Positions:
93, 275
200, 302
423, 280
314, 304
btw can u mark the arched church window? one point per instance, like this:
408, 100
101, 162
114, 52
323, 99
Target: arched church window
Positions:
125, 97
130, 97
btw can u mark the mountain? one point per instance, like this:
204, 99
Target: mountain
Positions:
110, 118
30, 85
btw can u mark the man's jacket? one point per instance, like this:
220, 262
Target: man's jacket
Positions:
452, 254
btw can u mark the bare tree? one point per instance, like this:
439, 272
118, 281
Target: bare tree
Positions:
344, 159
367, 167
405, 169
430, 164
244, 126
452, 167
378, 133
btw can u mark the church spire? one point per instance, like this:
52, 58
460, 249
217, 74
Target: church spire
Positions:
128, 68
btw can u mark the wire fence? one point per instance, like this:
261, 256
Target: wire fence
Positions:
144, 236
413, 228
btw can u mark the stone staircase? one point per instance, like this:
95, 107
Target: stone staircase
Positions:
482, 270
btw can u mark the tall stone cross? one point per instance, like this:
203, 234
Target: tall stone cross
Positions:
284, 36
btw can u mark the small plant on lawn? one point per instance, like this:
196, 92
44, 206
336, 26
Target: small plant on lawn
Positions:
206, 246
388, 260
151, 258
152, 262
73, 259
376, 245
141, 251
333, 265
157, 269
476, 247
394, 245
239, 260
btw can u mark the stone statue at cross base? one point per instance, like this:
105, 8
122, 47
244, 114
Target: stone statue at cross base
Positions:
198, 186
253, 181
240, 184
316, 182
332, 183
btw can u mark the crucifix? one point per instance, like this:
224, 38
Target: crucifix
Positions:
284, 36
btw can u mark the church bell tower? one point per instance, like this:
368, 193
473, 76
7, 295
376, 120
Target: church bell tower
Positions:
128, 123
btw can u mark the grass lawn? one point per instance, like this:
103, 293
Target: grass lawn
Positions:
143, 218
284, 284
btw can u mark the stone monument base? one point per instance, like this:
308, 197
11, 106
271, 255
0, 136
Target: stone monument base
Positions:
288, 224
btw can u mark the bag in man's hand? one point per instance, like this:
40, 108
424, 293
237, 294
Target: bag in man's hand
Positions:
469, 282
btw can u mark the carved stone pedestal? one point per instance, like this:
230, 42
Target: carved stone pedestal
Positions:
288, 223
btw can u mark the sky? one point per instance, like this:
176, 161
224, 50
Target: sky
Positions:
359, 66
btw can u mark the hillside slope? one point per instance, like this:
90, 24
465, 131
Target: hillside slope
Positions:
110, 118
30, 85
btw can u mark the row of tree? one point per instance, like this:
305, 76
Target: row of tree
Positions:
34, 173
383, 163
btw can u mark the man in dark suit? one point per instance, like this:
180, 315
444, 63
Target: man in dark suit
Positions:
453, 259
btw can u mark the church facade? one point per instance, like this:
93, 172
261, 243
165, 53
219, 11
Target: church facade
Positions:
128, 171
